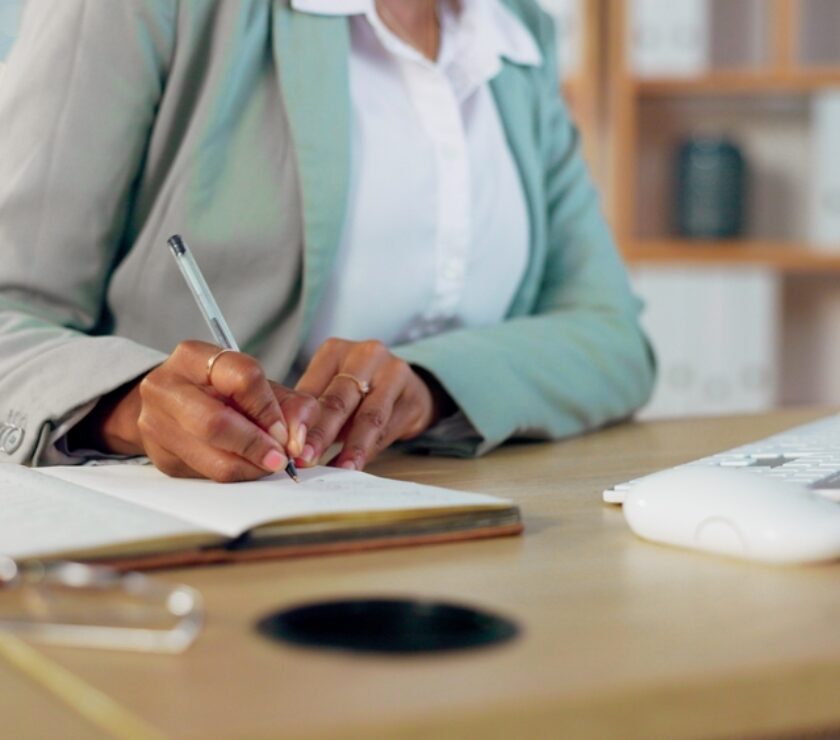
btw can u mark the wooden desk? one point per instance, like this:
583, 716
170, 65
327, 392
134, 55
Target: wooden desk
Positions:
621, 638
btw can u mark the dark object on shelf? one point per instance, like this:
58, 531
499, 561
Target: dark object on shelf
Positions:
711, 184
387, 626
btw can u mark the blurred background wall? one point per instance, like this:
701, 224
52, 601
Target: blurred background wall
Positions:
712, 128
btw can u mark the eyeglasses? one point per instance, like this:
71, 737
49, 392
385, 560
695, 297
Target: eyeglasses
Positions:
68, 603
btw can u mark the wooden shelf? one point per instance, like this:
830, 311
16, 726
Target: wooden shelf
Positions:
740, 83
572, 87
582, 89
782, 256
630, 135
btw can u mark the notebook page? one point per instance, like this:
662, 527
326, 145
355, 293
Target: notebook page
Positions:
44, 516
234, 508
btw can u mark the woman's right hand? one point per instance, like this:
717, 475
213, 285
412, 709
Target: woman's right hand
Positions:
234, 425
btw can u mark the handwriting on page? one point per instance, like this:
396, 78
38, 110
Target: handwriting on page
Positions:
361, 486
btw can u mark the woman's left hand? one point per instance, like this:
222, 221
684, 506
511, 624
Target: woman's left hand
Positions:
369, 400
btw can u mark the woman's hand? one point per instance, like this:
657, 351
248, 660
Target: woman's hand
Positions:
232, 424
369, 399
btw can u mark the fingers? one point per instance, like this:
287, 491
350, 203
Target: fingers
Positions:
168, 463
339, 396
368, 436
376, 423
301, 412
323, 367
240, 379
226, 421
202, 413
202, 463
186, 421
338, 403
398, 406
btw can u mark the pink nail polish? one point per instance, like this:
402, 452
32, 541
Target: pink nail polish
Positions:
274, 461
308, 454
299, 439
348, 465
279, 432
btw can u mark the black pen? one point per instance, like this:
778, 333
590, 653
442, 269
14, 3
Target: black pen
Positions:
209, 308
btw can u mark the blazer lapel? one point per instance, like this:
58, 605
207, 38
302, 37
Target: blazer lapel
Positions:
312, 52
514, 95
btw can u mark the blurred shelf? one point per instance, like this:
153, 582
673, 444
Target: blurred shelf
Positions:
781, 256
731, 82
572, 87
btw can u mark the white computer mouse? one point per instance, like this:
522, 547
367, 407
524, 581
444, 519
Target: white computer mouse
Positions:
734, 512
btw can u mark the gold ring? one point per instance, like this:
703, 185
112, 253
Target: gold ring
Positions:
362, 385
212, 361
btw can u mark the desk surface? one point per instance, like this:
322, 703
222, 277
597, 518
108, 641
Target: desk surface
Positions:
620, 637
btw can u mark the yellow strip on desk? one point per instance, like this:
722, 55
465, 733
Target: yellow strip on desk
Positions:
84, 699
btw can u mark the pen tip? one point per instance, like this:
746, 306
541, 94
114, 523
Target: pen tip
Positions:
292, 472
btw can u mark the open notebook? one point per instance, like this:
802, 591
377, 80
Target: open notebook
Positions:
136, 516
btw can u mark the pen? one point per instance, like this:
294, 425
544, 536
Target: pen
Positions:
209, 308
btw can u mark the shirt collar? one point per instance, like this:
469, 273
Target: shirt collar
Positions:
503, 32
333, 7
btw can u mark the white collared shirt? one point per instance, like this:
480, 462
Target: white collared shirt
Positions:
436, 234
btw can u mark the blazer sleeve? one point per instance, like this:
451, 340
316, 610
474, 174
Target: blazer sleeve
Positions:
580, 359
77, 104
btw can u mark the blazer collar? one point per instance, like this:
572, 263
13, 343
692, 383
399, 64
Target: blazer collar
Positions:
311, 53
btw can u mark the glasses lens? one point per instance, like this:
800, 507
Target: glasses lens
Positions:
72, 603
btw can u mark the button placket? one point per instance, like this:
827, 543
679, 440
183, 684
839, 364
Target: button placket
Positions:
440, 113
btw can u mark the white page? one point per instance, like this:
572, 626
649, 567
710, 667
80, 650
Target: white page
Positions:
43, 516
234, 508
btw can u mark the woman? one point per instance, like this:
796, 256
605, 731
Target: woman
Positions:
399, 174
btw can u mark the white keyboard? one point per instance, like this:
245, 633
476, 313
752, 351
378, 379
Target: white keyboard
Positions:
808, 455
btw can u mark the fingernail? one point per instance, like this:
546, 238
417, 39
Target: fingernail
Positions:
349, 465
274, 461
279, 432
308, 454
296, 447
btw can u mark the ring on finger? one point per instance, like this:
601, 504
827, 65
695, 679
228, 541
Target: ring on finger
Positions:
363, 386
212, 361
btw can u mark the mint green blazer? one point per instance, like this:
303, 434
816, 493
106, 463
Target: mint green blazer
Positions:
125, 122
